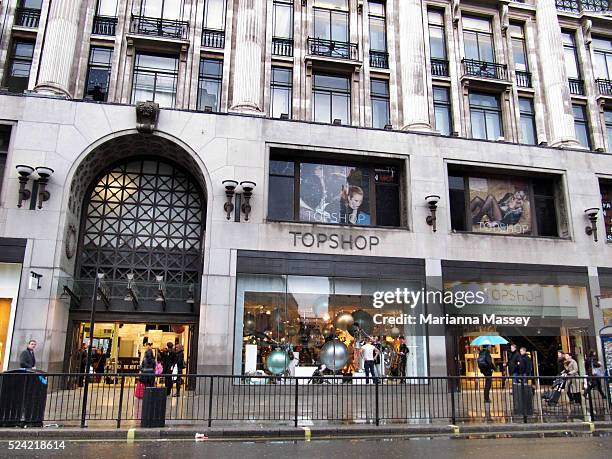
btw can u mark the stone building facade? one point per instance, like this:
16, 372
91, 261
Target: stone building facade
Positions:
442, 98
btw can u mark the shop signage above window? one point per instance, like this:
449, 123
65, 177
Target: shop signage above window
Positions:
334, 241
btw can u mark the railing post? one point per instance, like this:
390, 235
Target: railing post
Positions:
588, 394
377, 416
120, 402
210, 396
453, 413
522, 399
296, 403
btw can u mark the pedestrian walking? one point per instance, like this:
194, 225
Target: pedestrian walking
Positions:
513, 357
168, 361
403, 352
369, 354
147, 368
524, 366
594, 380
180, 366
571, 372
485, 365
27, 359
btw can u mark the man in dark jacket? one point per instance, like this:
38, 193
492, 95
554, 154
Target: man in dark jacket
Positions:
485, 365
168, 361
403, 352
513, 358
27, 359
524, 366
180, 366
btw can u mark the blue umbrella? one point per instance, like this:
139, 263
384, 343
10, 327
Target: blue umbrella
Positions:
488, 340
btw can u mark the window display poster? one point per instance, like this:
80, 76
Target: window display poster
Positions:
500, 206
606, 204
334, 194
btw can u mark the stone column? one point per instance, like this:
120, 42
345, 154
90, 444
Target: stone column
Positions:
415, 105
59, 48
553, 74
248, 69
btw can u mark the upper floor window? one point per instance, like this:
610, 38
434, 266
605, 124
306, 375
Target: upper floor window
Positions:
603, 57
5, 138
282, 20
331, 20
331, 96
503, 204
478, 39
527, 115
19, 65
27, 13
581, 125
214, 14
106, 8
155, 79
569, 53
608, 121
379, 94
337, 192
209, 84
378, 29
519, 50
98, 73
437, 39
282, 93
486, 116
162, 9
442, 110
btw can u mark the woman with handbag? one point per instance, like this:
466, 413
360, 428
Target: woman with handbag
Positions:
147, 368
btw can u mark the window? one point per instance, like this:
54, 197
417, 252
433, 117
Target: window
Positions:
478, 39
485, 115
106, 8
5, 137
209, 84
499, 204
27, 13
442, 110
214, 14
282, 83
519, 54
608, 121
155, 79
162, 9
334, 192
331, 29
437, 43
331, 98
19, 64
569, 54
378, 33
283, 19
581, 125
527, 121
98, 73
603, 58
606, 205
381, 114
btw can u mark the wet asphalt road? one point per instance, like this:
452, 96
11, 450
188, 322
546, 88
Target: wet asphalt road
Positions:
591, 447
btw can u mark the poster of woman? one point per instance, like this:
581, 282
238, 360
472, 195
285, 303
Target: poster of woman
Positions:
500, 206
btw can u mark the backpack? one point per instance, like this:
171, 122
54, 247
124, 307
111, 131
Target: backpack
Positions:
483, 362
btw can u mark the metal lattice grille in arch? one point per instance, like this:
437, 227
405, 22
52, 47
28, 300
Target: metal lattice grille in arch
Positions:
144, 218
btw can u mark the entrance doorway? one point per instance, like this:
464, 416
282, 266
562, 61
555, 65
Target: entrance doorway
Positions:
119, 347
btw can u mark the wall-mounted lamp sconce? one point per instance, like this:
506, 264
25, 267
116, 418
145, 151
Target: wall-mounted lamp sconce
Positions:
337, 122
160, 297
388, 127
24, 175
34, 282
43, 173
591, 214
432, 202
230, 189
247, 192
208, 109
284, 116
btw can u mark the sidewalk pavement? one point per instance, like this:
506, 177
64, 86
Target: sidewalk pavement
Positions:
264, 432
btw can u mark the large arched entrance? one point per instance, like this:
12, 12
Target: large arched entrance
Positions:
141, 228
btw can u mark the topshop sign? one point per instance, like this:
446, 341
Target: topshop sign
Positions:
334, 241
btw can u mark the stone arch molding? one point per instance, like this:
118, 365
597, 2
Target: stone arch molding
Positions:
113, 148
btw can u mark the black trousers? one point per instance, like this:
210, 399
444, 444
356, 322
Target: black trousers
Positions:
594, 383
487, 386
168, 384
369, 369
402, 367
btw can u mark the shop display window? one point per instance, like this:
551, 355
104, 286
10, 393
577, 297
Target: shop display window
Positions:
337, 193
606, 204
306, 317
520, 205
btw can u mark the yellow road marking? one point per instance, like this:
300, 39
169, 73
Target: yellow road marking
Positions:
131, 433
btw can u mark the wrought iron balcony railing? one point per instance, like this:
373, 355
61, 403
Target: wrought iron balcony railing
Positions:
282, 46
165, 28
27, 17
379, 59
576, 86
104, 25
604, 86
576, 6
331, 48
439, 67
523, 79
483, 69
213, 38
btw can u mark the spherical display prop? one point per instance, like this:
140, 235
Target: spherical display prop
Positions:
320, 306
395, 332
364, 320
249, 323
344, 320
277, 361
292, 330
327, 331
334, 354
